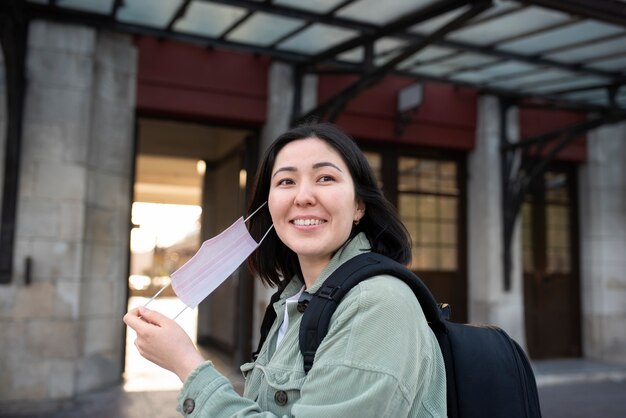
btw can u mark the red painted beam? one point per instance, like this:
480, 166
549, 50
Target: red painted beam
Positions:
184, 80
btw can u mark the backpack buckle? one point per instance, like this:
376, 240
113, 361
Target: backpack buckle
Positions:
328, 292
308, 358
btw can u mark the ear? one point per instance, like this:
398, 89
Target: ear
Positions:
360, 210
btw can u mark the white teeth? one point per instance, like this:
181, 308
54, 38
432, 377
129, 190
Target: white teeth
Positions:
307, 222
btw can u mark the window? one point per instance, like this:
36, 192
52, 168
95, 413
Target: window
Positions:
557, 224
428, 206
546, 230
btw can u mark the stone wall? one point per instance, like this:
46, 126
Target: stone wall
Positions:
62, 335
603, 244
489, 303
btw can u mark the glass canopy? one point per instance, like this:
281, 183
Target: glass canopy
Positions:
565, 52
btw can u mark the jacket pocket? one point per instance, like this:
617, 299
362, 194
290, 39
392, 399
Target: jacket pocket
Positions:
252, 378
246, 368
283, 389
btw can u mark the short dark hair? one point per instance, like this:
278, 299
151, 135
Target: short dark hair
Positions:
273, 261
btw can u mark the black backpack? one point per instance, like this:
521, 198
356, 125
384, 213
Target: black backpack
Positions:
487, 373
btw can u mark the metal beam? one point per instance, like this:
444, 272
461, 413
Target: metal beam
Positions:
509, 162
609, 118
494, 52
365, 29
236, 24
546, 101
368, 30
400, 24
109, 21
116, 6
106, 22
328, 19
536, 99
180, 13
13, 32
74, 16
519, 174
308, 23
334, 105
605, 10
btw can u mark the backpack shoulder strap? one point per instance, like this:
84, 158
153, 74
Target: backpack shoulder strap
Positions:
324, 302
268, 320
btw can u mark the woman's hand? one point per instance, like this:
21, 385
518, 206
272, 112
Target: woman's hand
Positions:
163, 342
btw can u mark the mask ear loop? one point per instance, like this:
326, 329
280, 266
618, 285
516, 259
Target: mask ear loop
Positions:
268, 231
158, 293
254, 213
184, 309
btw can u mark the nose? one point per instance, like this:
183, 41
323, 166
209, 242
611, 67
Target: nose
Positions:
304, 195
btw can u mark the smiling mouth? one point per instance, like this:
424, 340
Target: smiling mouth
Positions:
307, 222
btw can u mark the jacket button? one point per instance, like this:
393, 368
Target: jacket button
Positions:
281, 398
188, 406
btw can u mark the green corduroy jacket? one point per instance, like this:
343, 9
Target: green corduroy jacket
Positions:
379, 359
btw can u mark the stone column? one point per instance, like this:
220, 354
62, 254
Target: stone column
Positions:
603, 244
280, 98
62, 335
488, 302
279, 104
107, 211
280, 92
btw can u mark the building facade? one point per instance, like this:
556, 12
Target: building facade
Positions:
96, 100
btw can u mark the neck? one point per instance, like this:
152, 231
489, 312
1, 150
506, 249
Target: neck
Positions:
311, 269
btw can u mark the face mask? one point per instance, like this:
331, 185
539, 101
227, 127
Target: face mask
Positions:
214, 262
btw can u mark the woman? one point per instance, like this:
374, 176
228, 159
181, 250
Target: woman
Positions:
379, 358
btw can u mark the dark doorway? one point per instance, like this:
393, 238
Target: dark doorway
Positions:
190, 184
550, 261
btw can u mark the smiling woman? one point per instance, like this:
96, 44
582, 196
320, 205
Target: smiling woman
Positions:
312, 203
326, 208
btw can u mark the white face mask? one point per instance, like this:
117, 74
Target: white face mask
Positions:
214, 262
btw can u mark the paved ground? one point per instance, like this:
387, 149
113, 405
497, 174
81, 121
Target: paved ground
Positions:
584, 400
567, 388
581, 389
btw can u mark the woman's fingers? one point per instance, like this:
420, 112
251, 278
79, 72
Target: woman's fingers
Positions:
163, 342
152, 317
138, 318
134, 320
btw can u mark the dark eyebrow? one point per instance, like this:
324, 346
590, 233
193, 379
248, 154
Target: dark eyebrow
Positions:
283, 169
315, 167
326, 164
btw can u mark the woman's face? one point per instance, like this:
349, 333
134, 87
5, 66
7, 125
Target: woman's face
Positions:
312, 200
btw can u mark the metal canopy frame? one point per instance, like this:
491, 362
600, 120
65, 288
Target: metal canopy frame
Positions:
335, 104
608, 11
605, 11
602, 91
13, 39
526, 160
